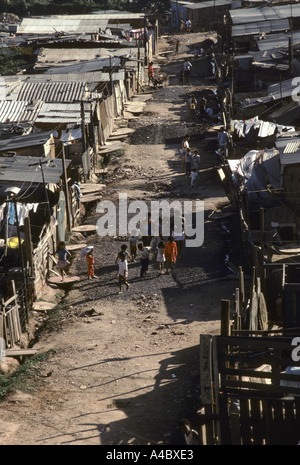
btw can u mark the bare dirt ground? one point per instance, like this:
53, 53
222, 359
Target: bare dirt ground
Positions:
125, 367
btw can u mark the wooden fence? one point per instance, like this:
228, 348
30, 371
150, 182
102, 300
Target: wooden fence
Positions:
248, 391
10, 326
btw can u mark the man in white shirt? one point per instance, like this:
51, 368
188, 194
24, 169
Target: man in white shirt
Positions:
187, 70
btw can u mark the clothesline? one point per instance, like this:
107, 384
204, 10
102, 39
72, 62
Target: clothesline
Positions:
22, 211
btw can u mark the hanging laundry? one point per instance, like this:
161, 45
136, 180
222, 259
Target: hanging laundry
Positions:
11, 213
2, 208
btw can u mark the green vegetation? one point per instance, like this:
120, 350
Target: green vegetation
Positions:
45, 7
24, 8
11, 61
25, 378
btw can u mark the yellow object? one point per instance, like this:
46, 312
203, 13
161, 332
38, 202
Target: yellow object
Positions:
13, 242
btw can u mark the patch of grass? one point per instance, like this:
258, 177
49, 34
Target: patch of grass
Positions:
25, 378
55, 318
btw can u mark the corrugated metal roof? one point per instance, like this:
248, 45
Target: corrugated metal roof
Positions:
290, 158
18, 170
29, 140
87, 66
48, 25
250, 15
260, 27
73, 23
277, 41
52, 91
62, 113
56, 55
276, 91
292, 147
16, 112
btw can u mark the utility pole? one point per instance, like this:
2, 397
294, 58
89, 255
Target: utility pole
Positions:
68, 208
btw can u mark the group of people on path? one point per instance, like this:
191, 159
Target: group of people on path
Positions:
185, 26
163, 252
190, 161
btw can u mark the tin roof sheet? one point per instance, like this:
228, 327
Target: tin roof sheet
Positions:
61, 113
250, 15
11, 111
49, 25
18, 169
260, 27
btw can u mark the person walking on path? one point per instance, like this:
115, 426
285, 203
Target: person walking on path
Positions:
194, 177
62, 263
90, 262
161, 256
187, 66
185, 146
170, 253
150, 73
193, 106
222, 141
126, 254
133, 240
188, 162
123, 272
196, 160
144, 254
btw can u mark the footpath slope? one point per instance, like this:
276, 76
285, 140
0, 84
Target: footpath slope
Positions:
125, 367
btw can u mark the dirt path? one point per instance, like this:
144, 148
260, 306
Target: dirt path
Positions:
125, 367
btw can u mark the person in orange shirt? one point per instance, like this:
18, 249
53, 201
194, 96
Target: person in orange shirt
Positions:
90, 261
150, 73
170, 253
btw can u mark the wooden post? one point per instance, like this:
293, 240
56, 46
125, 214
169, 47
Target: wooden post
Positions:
139, 67
262, 230
225, 317
68, 208
28, 243
83, 126
206, 381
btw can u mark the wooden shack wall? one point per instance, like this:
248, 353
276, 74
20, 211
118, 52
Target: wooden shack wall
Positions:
40, 258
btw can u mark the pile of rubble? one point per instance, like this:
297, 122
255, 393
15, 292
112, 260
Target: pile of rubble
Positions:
9, 18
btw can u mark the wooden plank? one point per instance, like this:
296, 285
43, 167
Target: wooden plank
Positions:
85, 228
89, 198
112, 148
206, 369
245, 422
20, 352
72, 247
255, 409
225, 317
267, 416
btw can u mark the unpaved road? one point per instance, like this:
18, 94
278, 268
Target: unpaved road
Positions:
127, 371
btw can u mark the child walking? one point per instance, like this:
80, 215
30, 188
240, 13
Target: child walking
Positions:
144, 253
123, 272
126, 254
133, 240
194, 177
161, 256
90, 262
170, 253
62, 263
